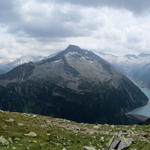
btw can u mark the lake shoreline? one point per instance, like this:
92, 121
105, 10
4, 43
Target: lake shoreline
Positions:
138, 117
143, 110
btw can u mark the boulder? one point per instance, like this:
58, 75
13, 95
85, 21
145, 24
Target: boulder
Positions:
113, 143
88, 148
95, 127
20, 124
119, 143
3, 141
10, 120
124, 143
102, 139
32, 134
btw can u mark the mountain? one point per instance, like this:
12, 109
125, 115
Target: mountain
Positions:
7, 66
26, 59
141, 75
136, 67
75, 84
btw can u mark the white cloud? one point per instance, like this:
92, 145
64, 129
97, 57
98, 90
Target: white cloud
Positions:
38, 28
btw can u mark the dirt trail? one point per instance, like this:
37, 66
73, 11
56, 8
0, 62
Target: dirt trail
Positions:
85, 130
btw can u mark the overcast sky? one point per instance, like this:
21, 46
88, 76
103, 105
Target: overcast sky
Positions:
41, 27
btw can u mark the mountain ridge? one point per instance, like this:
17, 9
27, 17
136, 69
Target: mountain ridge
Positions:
136, 67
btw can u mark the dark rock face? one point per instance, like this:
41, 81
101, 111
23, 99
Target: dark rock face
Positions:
75, 84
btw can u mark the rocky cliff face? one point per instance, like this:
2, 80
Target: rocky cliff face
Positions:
75, 84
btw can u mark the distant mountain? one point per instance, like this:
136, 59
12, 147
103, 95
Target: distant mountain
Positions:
26, 59
7, 66
75, 84
135, 67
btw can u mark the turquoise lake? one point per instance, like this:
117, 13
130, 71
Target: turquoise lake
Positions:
145, 110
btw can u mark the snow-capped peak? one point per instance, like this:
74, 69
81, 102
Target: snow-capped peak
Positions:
26, 59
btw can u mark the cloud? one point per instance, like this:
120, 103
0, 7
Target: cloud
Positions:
43, 21
8, 12
136, 6
38, 27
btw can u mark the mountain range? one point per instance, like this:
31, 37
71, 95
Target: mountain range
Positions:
74, 84
8, 65
136, 67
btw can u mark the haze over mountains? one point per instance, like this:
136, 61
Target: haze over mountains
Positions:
136, 67
7, 66
74, 84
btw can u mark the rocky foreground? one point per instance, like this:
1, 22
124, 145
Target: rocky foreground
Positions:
34, 132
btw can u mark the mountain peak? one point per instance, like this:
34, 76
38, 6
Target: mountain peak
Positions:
73, 48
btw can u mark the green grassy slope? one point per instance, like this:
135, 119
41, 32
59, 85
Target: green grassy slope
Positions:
35, 132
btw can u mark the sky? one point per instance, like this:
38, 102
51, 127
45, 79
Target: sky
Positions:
42, 27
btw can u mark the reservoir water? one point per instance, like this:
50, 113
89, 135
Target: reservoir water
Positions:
145, 110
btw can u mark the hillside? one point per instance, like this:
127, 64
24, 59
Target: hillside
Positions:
75, 84
21, 131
